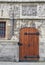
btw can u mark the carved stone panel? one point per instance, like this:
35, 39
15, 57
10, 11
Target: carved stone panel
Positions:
29, 10
4, 10
17, 11
14, 11
41, 10
9, 10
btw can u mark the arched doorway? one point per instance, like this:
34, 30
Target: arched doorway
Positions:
29, 44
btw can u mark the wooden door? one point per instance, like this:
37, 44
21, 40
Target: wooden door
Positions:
29, 44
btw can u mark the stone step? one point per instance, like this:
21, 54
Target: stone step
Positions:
22, 63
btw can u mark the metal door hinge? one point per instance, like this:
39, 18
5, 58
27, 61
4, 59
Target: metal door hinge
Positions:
19, 44
31, 56
37, 33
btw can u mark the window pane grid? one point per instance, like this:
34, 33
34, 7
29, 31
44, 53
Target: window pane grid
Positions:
2, 29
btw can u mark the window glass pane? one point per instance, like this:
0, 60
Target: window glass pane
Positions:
2, 29
0, 25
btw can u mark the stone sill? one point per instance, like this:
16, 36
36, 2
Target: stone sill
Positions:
21, 18
8, 41
32, 17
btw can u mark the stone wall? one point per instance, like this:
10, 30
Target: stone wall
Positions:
21, 0
38, 24
22, 10
23, 15
9, 51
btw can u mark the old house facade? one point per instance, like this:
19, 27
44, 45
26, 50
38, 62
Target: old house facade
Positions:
14, 16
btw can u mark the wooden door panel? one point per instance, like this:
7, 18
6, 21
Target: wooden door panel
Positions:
30, 44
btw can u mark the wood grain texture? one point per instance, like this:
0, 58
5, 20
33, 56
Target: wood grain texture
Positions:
30, 44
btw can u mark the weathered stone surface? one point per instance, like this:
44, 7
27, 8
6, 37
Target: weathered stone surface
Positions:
14, 11
22, 0
39, 25
29, 10
4, 10
9, 10
9, 51
19, 10
32, 10
41, 10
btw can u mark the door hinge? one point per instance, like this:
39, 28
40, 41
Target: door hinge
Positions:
31, 56
37, 33
19, 44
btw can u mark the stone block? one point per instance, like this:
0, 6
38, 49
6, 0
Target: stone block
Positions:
9, 52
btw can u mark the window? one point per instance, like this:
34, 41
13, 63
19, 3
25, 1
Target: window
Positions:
2, 29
